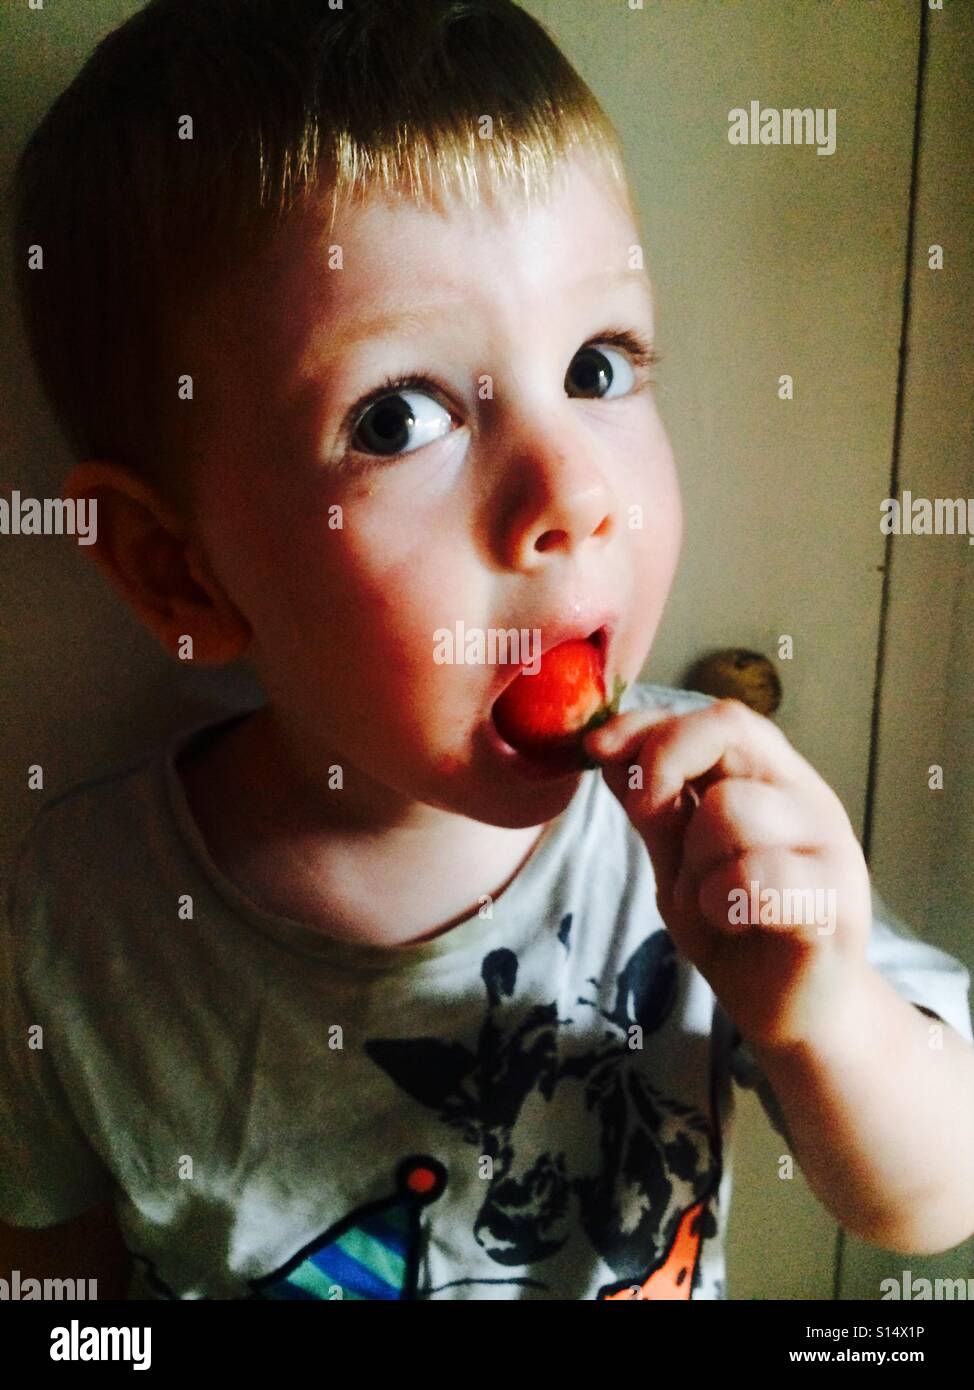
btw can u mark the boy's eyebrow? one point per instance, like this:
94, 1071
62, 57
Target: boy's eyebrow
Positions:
417, 316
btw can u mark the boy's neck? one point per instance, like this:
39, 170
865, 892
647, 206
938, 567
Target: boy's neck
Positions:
267, 829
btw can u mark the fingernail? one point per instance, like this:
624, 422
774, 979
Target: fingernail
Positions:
600, 740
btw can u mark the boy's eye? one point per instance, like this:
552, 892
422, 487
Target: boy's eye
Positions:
593, 373
385, 427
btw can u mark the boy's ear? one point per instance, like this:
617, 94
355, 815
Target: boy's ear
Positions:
150, 554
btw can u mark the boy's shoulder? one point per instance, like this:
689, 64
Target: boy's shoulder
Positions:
89, 810
90, 841
78, 841
93, 807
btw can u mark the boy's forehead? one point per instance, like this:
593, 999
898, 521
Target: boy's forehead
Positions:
391, 259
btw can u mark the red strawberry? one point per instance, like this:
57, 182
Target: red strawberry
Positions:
562, 700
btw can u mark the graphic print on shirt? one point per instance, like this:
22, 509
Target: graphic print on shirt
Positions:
373, 1252
579, 1139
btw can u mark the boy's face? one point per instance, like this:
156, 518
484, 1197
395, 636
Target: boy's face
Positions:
508, 503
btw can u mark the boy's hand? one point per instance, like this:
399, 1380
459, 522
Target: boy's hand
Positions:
726, 803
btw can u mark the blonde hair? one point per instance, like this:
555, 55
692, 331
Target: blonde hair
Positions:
287, 98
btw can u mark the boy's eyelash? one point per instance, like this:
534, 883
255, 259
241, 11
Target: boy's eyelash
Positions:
643, 353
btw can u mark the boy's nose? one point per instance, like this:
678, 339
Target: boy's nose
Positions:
565, 520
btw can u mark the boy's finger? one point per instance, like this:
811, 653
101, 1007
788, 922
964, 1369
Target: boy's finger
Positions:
724, 739
616, 745
611, 741
663, 834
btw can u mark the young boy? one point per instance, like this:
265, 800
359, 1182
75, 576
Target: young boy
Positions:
343, 312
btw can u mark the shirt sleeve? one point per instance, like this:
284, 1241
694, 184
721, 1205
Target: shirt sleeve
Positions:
935, 982
49, 1171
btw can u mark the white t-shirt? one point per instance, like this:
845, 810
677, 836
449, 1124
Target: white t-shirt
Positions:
534, 1104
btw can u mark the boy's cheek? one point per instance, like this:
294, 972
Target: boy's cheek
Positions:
378, 676
655, 525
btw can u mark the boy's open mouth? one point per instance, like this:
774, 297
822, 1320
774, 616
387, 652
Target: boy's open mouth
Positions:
600, 640
540, 717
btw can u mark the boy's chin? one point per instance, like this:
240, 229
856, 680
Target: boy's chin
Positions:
513, 810
537, 809
512, 794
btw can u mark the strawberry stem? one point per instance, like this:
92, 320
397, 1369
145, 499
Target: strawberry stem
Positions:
601, 716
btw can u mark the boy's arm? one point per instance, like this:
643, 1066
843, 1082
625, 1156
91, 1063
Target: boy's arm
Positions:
89, 1246
878, 1099
880, 1111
